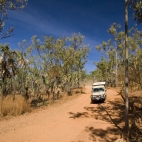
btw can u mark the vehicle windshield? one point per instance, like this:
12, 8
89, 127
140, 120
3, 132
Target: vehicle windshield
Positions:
98, 89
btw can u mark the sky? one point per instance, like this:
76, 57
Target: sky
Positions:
58, 18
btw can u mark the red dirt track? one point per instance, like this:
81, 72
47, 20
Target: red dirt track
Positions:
75, 120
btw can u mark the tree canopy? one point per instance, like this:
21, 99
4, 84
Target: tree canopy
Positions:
5, 7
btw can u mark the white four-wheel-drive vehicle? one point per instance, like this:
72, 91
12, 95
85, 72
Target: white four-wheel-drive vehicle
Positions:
98, 92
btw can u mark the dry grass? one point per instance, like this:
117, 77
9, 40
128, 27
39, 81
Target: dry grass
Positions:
14, 106
11, 106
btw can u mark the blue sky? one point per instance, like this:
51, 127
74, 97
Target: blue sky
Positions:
92, 18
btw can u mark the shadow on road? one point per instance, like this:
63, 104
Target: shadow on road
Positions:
101, 135
111, 112
78, 114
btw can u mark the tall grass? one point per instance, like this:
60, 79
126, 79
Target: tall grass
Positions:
13, 106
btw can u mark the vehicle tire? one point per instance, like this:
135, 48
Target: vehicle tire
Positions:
104, 101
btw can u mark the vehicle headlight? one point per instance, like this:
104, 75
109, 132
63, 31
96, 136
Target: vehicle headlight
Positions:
103, 96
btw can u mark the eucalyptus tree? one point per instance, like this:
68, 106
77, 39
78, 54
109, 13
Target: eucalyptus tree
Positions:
78, 52
80, 60
126, 71
96, 75
116, 39
108, 56
5, 7
112, 51
53, 49
49, 52
23, 66
34, 68
67, 63
135, 64
136, 5
103, 70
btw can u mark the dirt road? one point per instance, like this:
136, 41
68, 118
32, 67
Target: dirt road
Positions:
73, 121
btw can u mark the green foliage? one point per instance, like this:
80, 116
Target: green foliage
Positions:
111, 66
136, 5
5, 6
46, 66
8, 66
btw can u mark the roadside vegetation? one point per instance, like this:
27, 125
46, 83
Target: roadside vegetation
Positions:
41, 71
46, 69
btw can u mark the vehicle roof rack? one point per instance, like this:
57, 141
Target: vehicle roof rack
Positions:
98, 83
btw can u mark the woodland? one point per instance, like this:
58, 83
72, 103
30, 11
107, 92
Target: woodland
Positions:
41, 70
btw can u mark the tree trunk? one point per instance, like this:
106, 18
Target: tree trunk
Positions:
116, 75
2, 90
126, 71
11, 84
